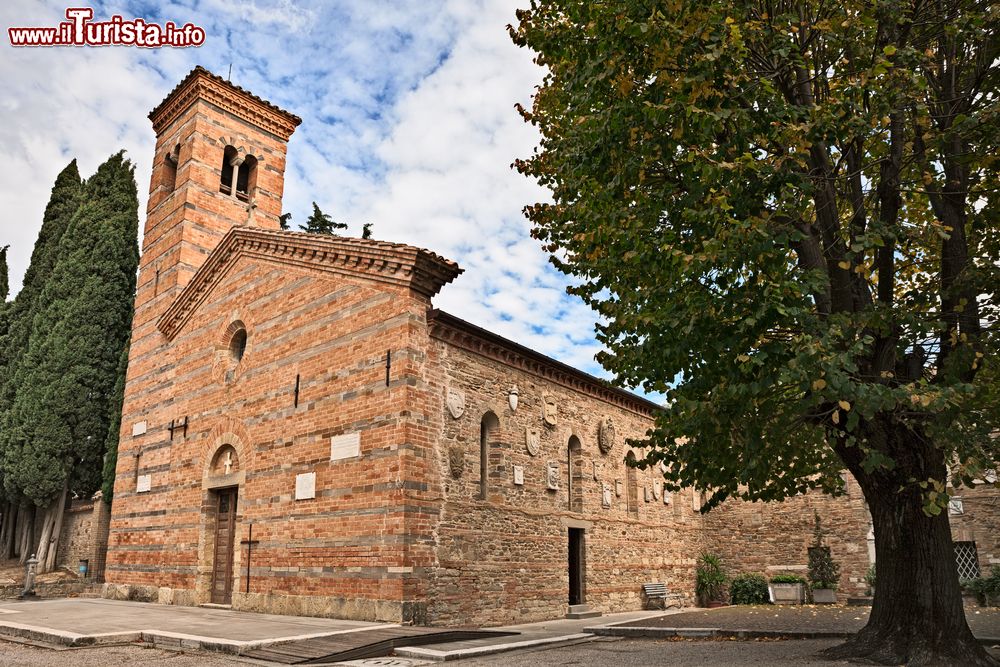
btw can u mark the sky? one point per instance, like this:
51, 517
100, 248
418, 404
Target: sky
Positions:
408, 123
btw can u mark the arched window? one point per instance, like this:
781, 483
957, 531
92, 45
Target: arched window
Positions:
246, 178
488, 427
631, 486
574, 474
229, 158
170, 164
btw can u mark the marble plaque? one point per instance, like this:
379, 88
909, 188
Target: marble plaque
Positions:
550, 412
519, 475
347, 446
138, 428
532, 440
305, 486
143, 483
552, 475
456, 403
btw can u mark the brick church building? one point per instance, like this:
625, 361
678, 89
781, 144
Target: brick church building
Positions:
304, 433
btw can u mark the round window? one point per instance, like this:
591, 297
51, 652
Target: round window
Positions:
238, 345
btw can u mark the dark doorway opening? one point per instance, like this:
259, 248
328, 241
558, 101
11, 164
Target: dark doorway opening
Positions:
222, 564
576, 566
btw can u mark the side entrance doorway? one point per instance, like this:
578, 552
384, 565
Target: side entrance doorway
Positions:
577, 566
222, 563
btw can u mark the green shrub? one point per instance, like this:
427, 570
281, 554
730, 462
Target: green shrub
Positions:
710, 579
749, 589
823, 570
787, 579
870, 576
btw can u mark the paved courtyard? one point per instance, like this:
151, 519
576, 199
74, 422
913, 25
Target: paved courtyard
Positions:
984, 621
111, 620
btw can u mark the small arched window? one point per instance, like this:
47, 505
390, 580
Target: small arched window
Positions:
229, 164
246, 178
574, 473
631, 486
170, 161
488, 427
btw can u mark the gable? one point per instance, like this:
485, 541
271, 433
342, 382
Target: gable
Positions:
396, 264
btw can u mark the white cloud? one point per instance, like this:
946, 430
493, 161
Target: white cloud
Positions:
408, 122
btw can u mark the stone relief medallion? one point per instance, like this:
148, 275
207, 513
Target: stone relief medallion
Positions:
606, 435
552, 475
532, 440
456, 403
456, 461
550, 412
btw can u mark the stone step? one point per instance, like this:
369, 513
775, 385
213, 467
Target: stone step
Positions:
581, 611
212, 605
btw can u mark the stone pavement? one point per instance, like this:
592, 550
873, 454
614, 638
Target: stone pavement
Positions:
86, 621
529, 635
792, 620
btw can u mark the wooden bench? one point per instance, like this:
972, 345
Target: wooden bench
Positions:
656, 594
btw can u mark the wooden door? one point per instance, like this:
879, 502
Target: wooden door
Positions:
222, 565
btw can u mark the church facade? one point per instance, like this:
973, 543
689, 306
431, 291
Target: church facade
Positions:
303, 432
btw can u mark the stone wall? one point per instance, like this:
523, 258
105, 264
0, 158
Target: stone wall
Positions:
979, 522
773, 538
84, 536
502, 558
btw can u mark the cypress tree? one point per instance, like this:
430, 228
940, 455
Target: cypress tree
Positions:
4, 277
321, 223
59, 416
65, 198
114, 429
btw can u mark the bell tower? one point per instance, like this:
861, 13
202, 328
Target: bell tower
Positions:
219, 163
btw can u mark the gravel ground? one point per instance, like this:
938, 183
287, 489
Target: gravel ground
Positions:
674, 653
605, 651
984, 621
23, 655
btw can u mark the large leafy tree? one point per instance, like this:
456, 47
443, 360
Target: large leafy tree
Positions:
786, 215
59, 417
4, 276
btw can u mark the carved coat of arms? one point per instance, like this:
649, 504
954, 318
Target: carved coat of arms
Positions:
533, 440
550, 412
552, 475
606, 436
456, 403
456, 461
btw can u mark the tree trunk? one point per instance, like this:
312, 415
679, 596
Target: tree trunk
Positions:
7, 547
25, 532
49, 563
917, 617
4, 528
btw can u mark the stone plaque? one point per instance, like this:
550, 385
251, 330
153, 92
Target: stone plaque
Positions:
305, 486
645, 493
656, 491
532, 440
606, 435
618, 488
138, 428
519, 475
456, 403
347, 446
594, 469
550, 412
606, 495
666, 496
552, 475
456, 461
143, 483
